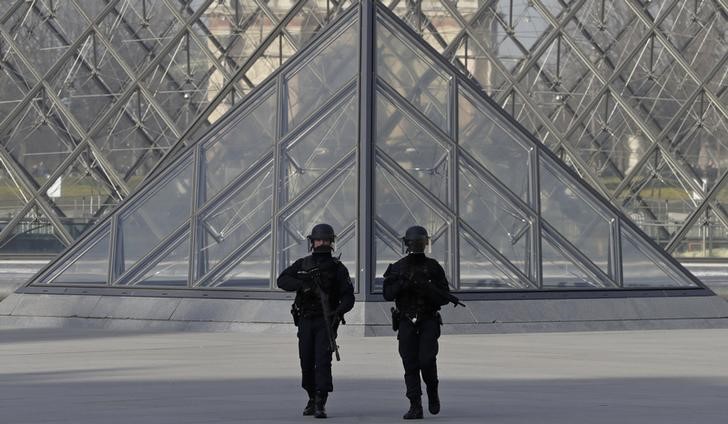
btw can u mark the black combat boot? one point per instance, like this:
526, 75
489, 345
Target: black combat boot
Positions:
310, 406
433, 400
415, 411
320, 405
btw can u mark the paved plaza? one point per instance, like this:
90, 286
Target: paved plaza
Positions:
89, 376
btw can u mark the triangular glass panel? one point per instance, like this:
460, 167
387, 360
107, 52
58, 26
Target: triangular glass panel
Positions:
718, 84
576, 215
700, 141
400, 206
83, 192
335, 203
526, 113
658, 199
495, 147
609, 142
705, 238
90, 8
503, 225
409, 144
697, 33
89, 80
607, 31
32, 234
152, 218
15, 79
236, 219
253, 270
138, 31
88, 265
180, 82
238, 147
312, 17
555, 83
37, 23
146, 117
480, 270
13, 196
40, 139
227, 27
306, 157
562, 272
643, 80
129, 145
388, 246
171, 269
431, 21
322, 75
274, 56
413, 76
346, 249
643, 266
472, 59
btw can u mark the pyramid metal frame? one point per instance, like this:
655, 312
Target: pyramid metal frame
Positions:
631, 61
368, 155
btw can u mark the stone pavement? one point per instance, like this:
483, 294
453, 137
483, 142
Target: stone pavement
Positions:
90, 376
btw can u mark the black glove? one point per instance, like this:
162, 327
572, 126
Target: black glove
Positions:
306, 284
306, 280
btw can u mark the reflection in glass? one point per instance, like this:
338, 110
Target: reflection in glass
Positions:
412, 148
504, 226
90, 265
575, 217
152, 220
306, 158
560, 272
640, 269
33, 234
388, 250
478, 271
413, 76
336, 205
398, 207
323, 76
495, 148
240, 147
236, 220
171, 269
253, 271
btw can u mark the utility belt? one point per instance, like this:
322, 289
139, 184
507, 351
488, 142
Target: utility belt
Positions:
413, 317
297, 313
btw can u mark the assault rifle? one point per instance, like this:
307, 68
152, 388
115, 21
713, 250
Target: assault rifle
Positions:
315, 274
433, 289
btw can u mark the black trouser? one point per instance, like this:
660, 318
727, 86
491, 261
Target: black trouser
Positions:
313, 350
418, 349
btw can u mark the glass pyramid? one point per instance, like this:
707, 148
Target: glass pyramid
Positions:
371, 130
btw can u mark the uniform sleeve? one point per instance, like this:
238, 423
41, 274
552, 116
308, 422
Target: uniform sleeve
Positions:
288, 280
392, 283
346, 290
440, 283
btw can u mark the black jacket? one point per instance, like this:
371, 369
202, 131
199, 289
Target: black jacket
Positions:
416, 283
335, 281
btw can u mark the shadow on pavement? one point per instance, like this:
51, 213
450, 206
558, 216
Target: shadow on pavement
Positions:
62, 398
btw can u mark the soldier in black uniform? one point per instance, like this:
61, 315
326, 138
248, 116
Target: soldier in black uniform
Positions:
313, 342
419, 287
